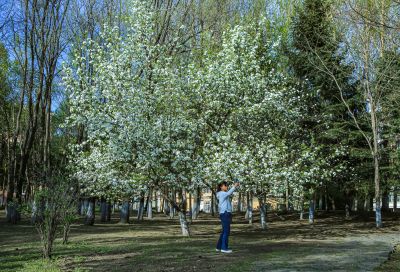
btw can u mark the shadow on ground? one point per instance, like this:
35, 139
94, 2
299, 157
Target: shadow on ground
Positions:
331, 244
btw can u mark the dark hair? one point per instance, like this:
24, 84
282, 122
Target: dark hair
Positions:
220, 185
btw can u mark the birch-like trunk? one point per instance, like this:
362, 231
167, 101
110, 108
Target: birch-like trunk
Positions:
311, 211
124, 212
150, 204
90, 214
263, 212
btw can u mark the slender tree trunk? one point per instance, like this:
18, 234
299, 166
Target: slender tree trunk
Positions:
246, 215
103, 210
212, 203
250, 208
66, 230
90, 214
85, 205
333, 203
239, 206
321, 199
263, 212
190, 208
171, 206
108, 207
156, 201
182, 215
311, 212
355, 205
347, 204
124, 212
302, 206
374, 123
311, 208
196, 204
286, 195
326, 198
385, 200
141, 208
79, 207
150, 204
366, 202
378, 212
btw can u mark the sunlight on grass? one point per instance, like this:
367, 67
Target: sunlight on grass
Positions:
40, 266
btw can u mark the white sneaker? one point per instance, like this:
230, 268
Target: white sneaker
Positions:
217, 250
226, 250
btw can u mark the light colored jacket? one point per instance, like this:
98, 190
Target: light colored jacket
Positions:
224, 201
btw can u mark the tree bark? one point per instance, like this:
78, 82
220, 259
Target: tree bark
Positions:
90, 214
311, 212
196, 203
239, 206
302, 206
124, 212
103, 210
263, 212
108, 207
150, 204
249, 213
141, 208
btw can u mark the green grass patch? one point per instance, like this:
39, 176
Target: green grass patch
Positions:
40, 266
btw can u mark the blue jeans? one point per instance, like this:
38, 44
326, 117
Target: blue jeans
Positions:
226, 219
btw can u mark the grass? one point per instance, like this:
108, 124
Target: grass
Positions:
156, 245
393, 262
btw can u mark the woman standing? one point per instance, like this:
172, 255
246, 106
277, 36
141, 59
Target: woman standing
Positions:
225, 214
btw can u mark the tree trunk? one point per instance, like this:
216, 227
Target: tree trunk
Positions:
326, 198
182, 214
311, 211
66, 229
196, 204
263, 212
141, 208
375, 152
246, 215
90, 214
124, 212
355, 205
302, 206
150, 204
385, 200
85, 206
395, 199
79, 207
333, 203
190, 208
156, 201
103, 210
286, 195
347, 204
321, 199
239, 205
249, 212
212, 204
378, 212
181, 211
366, 203
108, 207
171, 206
184, 224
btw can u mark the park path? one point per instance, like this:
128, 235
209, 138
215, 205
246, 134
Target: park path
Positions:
351, 253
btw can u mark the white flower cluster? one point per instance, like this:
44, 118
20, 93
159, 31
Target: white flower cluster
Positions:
151, 120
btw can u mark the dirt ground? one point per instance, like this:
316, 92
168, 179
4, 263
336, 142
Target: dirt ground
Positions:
331, 244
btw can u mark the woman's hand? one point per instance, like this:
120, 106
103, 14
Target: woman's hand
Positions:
236, 184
